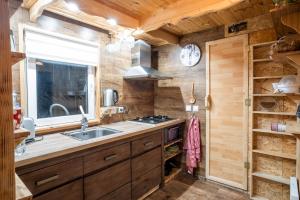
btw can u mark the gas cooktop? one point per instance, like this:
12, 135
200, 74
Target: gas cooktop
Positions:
156, 119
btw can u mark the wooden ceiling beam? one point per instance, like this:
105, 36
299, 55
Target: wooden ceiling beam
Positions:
38, 7
183, 9
169, 38
95, 8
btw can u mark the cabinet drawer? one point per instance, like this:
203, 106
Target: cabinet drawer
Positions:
141, 145
146, 162
71, 191
123, 193
145, 183
52, 176
106, 157
107, 181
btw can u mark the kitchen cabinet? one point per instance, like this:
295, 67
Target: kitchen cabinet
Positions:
124, 169
71, 191
106, 181
52, 176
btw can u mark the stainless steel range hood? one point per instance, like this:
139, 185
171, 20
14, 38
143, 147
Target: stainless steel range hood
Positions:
141, 64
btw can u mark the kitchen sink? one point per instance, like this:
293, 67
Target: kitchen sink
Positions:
91, 133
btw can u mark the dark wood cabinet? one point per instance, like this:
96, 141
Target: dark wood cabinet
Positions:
123, 193
106, 157
146, 162
124, 170
146, 143
71, 191
145, 183
106, 181
49, 177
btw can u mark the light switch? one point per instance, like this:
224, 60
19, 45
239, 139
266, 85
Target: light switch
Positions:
188, 108
195, 108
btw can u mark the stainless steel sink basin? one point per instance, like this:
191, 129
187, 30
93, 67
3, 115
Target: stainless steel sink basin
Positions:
91, 133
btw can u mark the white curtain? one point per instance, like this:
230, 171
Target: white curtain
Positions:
51, 46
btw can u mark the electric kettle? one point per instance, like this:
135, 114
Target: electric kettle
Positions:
110, 97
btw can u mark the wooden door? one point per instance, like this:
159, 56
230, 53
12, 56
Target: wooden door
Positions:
227, 114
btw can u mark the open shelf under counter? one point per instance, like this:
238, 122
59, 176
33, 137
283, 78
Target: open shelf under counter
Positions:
173, 142
277, 179
274, 113
168, 157
272, 132
275, 154
173, 174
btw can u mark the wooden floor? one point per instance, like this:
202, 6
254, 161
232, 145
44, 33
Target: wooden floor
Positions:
187, 188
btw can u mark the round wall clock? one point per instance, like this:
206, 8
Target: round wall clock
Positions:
190, 55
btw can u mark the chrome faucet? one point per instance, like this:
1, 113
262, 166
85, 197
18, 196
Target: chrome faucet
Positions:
84, 120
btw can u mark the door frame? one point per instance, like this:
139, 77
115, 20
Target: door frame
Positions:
243, 186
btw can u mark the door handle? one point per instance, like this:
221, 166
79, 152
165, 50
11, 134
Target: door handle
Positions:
147, 144
207, 102
110, 157
47, 180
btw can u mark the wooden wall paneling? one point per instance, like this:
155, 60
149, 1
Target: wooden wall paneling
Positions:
226, 126
7, 167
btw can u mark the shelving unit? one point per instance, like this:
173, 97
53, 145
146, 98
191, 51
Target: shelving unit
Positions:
273, 153
277, 179
175, 157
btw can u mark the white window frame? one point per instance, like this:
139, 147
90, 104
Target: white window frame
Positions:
31, 90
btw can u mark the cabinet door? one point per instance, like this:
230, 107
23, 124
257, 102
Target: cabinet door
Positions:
227, 114
71, 191
107, 181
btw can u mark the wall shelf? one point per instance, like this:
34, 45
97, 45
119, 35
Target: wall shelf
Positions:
278, 179
272, 132
16, 57
263, 60
276, 95
274, 113
267, 77
276, 154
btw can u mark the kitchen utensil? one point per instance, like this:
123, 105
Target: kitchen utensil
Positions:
110, 97
193, 98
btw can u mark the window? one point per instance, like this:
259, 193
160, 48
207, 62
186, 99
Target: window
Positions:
58, 80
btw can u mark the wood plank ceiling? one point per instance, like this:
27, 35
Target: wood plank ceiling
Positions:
163, 20
239, 12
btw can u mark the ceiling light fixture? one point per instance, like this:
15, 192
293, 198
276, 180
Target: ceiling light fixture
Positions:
112, 21
138, 31
72, 6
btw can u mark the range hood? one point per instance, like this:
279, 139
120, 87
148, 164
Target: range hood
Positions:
141, 64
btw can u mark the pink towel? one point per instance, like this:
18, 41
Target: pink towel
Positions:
193, 145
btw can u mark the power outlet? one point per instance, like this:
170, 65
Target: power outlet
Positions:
121, 109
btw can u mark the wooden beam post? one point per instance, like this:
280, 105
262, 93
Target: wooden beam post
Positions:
7, 167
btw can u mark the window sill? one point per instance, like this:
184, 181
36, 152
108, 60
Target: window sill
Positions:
63, 127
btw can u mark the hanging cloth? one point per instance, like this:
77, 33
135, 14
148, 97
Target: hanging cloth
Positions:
193, 144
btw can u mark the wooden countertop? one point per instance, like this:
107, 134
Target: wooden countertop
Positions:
22, 192
55, 145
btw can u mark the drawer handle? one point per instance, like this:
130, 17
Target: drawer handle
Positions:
147, 144
47, 180
111, 157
